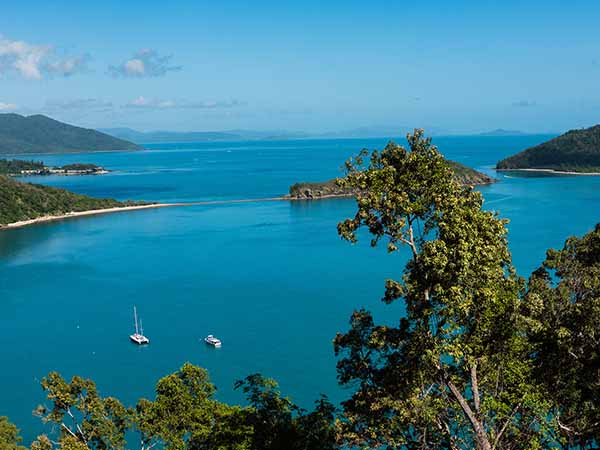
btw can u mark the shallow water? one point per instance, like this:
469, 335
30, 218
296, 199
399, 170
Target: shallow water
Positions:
271, 279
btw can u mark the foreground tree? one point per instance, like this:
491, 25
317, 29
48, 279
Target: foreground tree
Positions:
562, 305
183, 415
84, 418
455, 371
9, 435
280, 424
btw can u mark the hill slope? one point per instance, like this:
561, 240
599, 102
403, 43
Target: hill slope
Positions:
575, 151
315, 190
41, 134
24, 201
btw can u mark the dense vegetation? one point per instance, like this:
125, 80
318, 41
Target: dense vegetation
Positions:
24, 201
15, 166
332, 188
477, 357
575, 151
80, 166
40, 134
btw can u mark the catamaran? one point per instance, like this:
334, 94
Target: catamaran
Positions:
138, 337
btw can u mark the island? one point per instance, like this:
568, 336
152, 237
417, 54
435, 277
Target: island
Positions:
18, 167
40, 134
574, 152
25, 203
330, 189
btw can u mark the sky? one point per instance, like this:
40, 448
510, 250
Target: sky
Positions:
448, 66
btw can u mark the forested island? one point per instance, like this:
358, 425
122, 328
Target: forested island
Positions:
25, 201
40, 134
330, 189
576, 151
18, 167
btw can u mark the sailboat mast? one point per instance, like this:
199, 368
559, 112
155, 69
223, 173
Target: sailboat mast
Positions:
141, 327
135, 319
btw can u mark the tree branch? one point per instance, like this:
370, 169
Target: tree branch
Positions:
480, 434
497, 440
475, 387
68, 430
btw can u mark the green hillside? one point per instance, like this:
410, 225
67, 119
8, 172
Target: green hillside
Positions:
41, 134
24, 201
575, 151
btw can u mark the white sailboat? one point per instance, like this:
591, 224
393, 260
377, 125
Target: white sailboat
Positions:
138, 337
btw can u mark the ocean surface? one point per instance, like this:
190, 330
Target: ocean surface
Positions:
271, 279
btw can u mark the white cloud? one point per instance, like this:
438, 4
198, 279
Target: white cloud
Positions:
68, 66
145, 63
7, 107
142, 102
34, 61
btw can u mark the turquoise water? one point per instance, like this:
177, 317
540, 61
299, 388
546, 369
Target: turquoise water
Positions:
271, 279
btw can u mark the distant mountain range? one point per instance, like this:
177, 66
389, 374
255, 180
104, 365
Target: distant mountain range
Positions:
40, 134
502, 132
152, 137
574, 151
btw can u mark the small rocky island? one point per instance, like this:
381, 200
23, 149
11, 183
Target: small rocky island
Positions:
330, 189
17, 167
576, 151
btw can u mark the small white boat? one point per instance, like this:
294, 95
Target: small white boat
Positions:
138, 337
211, 340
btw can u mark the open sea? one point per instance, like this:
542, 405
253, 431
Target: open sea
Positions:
271, 279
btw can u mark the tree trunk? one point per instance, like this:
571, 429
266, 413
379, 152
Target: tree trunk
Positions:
483, 442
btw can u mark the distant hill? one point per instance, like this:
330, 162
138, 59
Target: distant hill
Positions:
502, 132
325, 189
157, 137
24, 201
41, 134
151, 137
575, 151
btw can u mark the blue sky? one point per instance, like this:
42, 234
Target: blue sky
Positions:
460, 66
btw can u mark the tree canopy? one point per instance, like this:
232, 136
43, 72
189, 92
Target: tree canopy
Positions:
454, 372
562, 308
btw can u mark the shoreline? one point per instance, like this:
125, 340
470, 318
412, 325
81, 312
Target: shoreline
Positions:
553, 171
96, 212
73, 214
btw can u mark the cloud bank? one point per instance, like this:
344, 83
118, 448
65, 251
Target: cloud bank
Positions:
145, 63
33, 62
6, 107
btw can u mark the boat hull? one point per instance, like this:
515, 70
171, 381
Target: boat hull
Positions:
139, 339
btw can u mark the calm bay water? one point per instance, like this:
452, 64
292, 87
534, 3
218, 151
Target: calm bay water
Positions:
271, 279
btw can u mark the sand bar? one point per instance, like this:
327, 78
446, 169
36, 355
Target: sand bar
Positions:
94, 212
